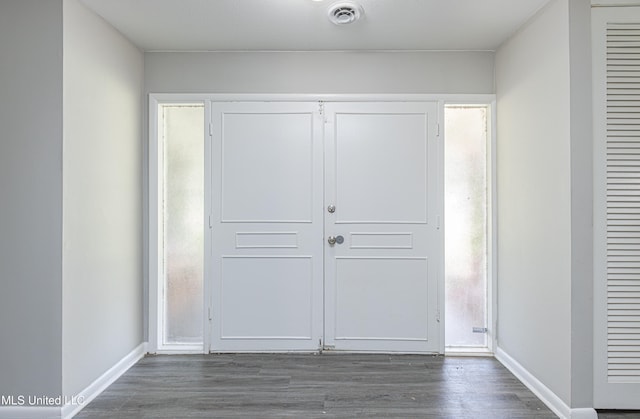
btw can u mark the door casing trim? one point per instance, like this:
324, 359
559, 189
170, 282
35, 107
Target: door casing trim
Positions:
151, 183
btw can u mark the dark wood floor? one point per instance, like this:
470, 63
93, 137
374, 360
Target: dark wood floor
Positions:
316, 386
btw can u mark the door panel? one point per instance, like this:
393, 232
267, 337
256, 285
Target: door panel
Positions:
267, 227
381, 288
365, 296
374, 154
267, 162
266, 297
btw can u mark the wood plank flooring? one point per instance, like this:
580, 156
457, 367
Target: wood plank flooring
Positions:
316, 386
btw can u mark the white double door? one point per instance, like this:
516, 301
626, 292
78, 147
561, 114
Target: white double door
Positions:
287, 179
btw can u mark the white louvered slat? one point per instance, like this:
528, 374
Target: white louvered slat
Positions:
623, 202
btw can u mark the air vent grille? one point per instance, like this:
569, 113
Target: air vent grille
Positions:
345, 13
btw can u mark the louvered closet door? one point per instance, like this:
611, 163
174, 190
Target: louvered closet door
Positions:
617, 208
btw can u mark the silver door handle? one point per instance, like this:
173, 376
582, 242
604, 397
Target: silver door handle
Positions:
335, 239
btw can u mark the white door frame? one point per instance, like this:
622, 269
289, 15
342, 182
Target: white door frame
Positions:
153, 242
153, 163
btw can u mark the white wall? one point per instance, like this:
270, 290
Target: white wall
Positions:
102, 282
319, 72
581, 205
30, 197
534, 198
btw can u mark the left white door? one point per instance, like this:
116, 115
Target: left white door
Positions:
266, 256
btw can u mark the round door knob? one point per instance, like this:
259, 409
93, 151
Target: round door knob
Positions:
331, 240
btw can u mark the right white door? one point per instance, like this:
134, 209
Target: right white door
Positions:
383, 205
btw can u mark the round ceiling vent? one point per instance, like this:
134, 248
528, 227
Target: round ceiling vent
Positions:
344, 13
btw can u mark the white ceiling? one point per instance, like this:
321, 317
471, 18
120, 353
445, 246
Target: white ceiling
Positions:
302, 25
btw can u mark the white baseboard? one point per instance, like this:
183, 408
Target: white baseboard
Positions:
548, 397
105, 380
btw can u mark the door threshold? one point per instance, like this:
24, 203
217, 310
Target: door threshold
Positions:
462, 351
351, 352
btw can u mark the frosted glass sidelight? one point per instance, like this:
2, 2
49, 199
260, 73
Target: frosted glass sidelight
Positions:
183, 134
465, 225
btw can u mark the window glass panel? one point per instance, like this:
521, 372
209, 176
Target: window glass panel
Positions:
183, 127
465, 225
